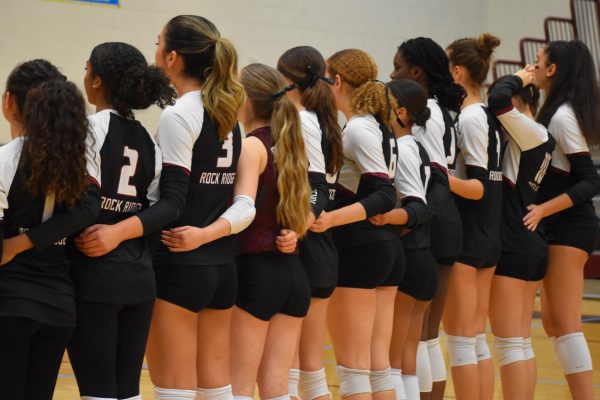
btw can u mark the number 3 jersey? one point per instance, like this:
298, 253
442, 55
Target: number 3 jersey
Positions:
366, 177
526, 160
130, 165
189, 139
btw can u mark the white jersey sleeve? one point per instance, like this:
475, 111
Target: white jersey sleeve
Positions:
565, 130
431, 136
527, 133
98, 129
473, 140
407, 180
312, 140
153, 189
10, 154
363, 144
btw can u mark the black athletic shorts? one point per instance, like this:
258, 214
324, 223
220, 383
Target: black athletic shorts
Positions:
322, 292
195, 287
368, 265
522, 266
579, 232
422, 277
272, 283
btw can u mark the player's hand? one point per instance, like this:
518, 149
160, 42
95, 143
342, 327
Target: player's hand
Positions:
286, 241
98, 240
322, 223
534, 216
379, 219
184, 238
526, 75
8, 251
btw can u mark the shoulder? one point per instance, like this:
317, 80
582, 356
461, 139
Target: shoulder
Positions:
408, 149
10, 155
436, 112
564, 119
310, 123
187, 111
473, 117
362, 128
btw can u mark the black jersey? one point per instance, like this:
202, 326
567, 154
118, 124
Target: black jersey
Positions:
367, 175
412, 183
479, 158
526, 159
189, 139
572, 170
130, 171
36, 283
317, 250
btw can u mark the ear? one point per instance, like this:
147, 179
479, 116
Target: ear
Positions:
416, 72
551, 71
456, 72
9, 102
403, 115
97, 82
172, 58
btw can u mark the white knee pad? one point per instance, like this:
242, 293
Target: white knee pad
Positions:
381, 380
528, 349
138, 397
398, 384
99, 398
481, 348
293, 381
173, 394
284, 397
313, 384
242, 398
573, 353
436, 360
424, 368
220, 393
353, 381
461, 351
411, 386
509, 350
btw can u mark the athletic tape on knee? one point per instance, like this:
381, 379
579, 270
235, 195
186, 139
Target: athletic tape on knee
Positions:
481, 348
293, 380
461, 351
411, 386
573, 353
424, 368
220, 393
528, 349
436, 360
313, 384
173, 394
353, 381
509, 350
381, 380
398, 384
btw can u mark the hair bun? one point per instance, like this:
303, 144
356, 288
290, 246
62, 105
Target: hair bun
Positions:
486, 43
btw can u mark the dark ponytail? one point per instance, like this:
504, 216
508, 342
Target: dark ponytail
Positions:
432, 59
129, 83
56, 128
410, 95
529, 95
305, 66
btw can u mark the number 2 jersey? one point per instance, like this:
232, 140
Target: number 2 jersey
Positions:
189, 140
527, 157
130, 164
367, 175
36, 283
479, 158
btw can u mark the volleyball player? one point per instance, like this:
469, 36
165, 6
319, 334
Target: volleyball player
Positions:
360, 310
566, 73
43, 178
424, 61
304, 67
274, 292
523, 259
116, 291
479, 185
419, 284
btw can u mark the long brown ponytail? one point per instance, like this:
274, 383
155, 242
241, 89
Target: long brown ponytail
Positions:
305, 66
261, 84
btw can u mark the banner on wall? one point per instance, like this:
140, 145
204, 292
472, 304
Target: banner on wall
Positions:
102, 2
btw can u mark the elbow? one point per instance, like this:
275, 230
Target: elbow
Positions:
390, 198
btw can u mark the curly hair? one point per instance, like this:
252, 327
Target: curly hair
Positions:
305, 66
475, 54
358, 69
212, 60
129, 83
56, 128
432, 59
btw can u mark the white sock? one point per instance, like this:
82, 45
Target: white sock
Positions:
173, 394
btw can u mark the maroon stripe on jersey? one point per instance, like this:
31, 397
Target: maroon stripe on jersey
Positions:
558, 171
382, 175
94, 181
510, 183
185, 170
440, 167
581, 153
411, 199
503, 110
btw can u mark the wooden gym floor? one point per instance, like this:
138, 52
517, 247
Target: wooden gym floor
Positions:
551, 383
